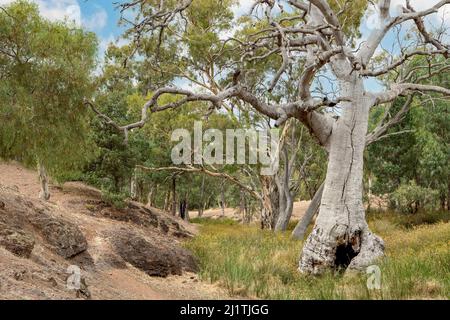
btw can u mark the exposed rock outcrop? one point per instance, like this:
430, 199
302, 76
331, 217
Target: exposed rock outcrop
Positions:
65, 237
21, 217
16, 241
154, 258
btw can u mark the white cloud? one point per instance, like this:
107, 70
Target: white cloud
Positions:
103, 46
242, 7
444, 13
96, 21
57, 9
60, 10
420, 5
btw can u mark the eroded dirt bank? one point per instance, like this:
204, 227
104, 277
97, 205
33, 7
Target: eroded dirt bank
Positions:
134, 253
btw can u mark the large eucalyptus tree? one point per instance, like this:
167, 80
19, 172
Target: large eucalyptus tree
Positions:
312, 36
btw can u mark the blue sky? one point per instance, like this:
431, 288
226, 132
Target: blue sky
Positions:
101, 17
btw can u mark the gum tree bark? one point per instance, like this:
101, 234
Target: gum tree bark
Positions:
44, 193
134, 187
285, 197
269, 202
167, 201
151, 195
341, 237
286, 191
300, 229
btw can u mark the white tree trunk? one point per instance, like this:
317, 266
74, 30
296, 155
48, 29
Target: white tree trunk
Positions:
150, 196
285, 198
286, 206
134, 187
300, 229
44, 193
341, 237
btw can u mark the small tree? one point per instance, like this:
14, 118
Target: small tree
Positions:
410, 197
45, 70
416, 148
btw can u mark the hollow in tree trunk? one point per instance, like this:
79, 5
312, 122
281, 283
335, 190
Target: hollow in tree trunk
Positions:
341, 238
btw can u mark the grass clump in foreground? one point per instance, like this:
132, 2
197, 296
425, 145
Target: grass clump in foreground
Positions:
250, 262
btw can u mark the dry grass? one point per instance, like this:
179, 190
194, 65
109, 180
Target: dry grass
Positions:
259, 264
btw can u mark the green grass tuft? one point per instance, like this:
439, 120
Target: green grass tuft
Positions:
253, 263
218, 221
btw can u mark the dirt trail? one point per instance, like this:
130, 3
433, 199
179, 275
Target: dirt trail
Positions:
107, 276
298, 211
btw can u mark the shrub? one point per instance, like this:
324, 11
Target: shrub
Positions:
386, 221
409, 198
117, 200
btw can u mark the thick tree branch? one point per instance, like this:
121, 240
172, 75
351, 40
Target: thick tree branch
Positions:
331, 18
387, 23
318, 123
401, 61
381, 129
404, 88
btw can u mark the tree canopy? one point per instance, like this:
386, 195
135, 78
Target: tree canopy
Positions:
46, 73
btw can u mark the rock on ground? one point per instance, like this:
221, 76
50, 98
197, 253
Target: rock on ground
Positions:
22, 217
16, 241
155, 259
64, 236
